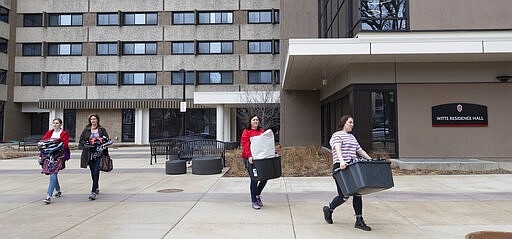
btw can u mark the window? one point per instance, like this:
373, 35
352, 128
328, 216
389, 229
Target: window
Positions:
140, 19
142, 78
3, 45
277, 76
260, 77
55, 79
33, 20
31, 79
31, 49
65, 20
3, 77
106, 49
70, 123
4, 14
215, 47
216, 18
215, 77
139, 48
65, 49
183, 18
277, 47
108, 19
260, 16
177, 78
256, 47
106, 78
128, 126
277, 16
183, 48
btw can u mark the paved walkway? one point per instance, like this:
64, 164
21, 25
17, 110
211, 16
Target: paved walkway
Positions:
130, 206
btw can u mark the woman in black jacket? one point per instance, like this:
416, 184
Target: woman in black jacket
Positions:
92, 130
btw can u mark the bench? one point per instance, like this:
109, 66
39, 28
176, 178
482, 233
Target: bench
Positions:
170, 147
203, 148
30, 140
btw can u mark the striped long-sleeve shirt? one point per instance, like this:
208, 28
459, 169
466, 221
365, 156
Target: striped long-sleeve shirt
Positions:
349, 146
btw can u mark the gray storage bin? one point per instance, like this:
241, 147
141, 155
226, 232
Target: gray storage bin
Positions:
266, 169
365, 177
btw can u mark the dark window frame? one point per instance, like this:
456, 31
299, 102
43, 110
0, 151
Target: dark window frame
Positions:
3, 77
108, 14
73, 22
72, 47
108, 50
174, 22
27, 49
4, 14
108, 78
259, 21
29, 18
209, 22
34, 79
222, 82
60, 74
190, 78
123, 76
222, 52
258, 81
124, 44
173, 52
4, 45
124, 15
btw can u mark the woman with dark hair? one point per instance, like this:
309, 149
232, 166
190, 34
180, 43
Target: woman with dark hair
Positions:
56, 133
92, 130
252, 129
345, 149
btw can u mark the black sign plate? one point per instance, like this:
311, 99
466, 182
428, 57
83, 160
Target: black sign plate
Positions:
459, 114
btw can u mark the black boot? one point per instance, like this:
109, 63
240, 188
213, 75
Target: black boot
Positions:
361, 225
328, 214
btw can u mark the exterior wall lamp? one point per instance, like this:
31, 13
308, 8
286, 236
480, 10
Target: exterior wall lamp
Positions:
503, 79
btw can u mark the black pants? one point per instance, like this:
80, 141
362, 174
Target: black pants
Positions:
256, 186
94, 166
357, 201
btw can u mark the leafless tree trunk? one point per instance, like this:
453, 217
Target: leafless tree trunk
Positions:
261, 103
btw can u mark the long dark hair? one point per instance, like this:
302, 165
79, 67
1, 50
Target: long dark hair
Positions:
97, 118
248, 126
342, 121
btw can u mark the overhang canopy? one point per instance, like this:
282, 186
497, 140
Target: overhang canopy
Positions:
308, 60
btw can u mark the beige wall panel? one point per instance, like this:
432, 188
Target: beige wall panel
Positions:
34, 93
302, 117
451, 72
259, 4
66, 64
176, 91
417, 137
259, 62
109, 119
459, 14
4, 61
299, 19
3, 92
51, 64
131, 63
126, 6
206, 32
201, 62
51, 34
126, 33
259, 31
52, 6
190, 5
335, 84
125, 92
4, 30
372, 73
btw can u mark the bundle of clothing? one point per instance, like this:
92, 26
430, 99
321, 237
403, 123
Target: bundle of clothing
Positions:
52, 155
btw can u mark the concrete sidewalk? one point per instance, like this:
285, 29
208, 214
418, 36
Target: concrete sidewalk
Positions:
130, 206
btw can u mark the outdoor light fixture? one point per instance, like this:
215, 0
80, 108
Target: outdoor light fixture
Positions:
503, 79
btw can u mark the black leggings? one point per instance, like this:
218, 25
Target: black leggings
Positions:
357, 200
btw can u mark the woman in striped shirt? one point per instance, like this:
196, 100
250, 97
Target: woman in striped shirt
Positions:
345, 148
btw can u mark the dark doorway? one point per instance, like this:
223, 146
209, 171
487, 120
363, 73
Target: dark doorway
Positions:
39, 123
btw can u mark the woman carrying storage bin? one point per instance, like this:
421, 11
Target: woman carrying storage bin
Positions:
252, 129
345, 148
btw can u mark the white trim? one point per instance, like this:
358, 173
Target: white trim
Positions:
236, 97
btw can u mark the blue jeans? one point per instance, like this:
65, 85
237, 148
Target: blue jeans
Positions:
256, 186
94, 166
53, 185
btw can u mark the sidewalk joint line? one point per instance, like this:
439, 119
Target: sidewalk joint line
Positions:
289, 207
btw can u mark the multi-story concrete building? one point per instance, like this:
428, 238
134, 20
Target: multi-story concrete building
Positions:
422, 78
122, 60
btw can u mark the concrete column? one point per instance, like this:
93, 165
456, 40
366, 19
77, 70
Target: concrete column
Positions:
227, 124
139, 126
145, 126
234, 132
220, 122
55, 113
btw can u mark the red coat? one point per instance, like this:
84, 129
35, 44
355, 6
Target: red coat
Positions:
246, 142
64, 136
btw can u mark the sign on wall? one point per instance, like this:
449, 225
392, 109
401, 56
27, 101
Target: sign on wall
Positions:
459, 114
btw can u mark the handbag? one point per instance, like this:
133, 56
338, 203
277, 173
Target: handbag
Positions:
106, 164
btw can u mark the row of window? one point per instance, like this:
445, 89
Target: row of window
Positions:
148, 78
148, 48
4, 14
151, 18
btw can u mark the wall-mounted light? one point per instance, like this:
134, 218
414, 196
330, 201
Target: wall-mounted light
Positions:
324, 77
503, 79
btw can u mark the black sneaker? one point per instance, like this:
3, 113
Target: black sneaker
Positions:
47, 200
361, 225
92, 196
327, 214
58, 194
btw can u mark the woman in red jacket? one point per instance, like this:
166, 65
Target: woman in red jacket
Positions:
252, 129
56, 133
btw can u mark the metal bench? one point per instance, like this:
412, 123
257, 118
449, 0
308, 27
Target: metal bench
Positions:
169, 147
30, 140
202, 148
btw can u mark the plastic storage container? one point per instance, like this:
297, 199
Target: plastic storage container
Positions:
264, 169
365, 177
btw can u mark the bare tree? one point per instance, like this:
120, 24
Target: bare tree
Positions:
264, 103
384, 14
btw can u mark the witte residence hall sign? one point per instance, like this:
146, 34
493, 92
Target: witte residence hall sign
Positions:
459, 114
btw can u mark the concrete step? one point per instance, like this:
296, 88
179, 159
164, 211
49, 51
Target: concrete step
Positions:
448, 164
